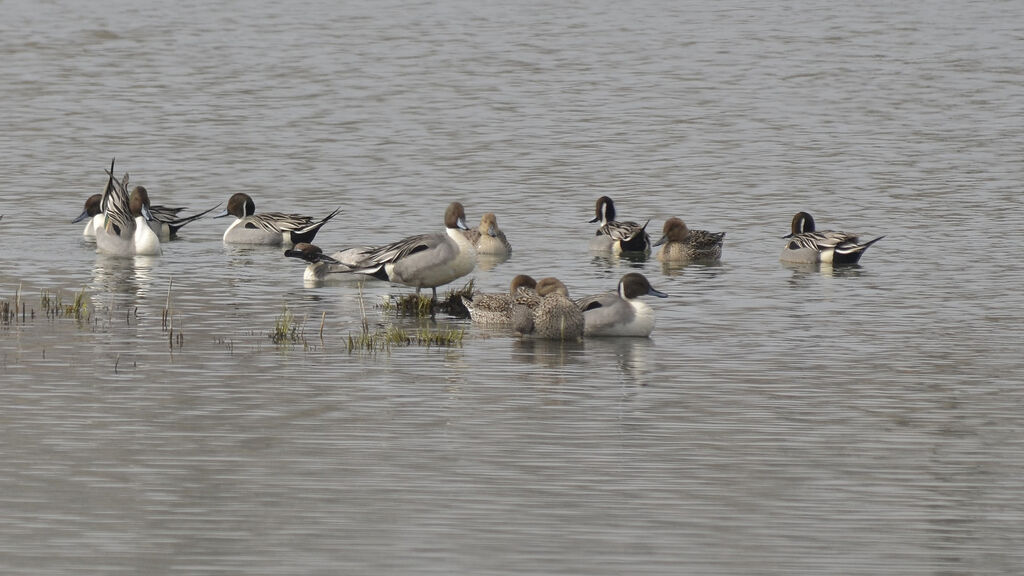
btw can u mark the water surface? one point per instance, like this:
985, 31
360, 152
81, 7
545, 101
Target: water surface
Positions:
780, 420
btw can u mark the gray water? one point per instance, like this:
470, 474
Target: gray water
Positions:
779, 420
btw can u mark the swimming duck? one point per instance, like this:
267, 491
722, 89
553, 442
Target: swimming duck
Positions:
685, 245
808, 246
487, 238
91, 211
620, 313
556, 317
125, 231
164, 222
320, 265
269, 228
426, 260
495, 309
615, 236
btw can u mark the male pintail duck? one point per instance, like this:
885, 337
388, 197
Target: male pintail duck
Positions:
808, 246
685, 245
165, 222
495, 309
125, 231
620, 313
269, 228
94, 205
487, 238
556, 317
426, 260
615, 236
320, 266
91, 211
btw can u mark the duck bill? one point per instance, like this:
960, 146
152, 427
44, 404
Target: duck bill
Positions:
147, 214
222, 214
662, 241
595, 220
82, 216
657, 293
461, 224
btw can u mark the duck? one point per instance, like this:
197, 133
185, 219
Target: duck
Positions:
268, 228
91, 211
616, 236
125, 231
555, 317
495, 309
681, 244
488, 239
425, 260
809, 246
164, 222
620, 313
320, 265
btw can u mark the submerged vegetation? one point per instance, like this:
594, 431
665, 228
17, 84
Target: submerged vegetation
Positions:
290, 330
51, 305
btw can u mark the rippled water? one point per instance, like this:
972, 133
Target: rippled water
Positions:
780, 420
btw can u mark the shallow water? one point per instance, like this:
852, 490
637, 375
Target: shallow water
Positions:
781, 420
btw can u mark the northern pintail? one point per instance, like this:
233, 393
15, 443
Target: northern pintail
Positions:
556, 317
269, 228
91, 211
125, 231
426, 260
808, 246
165, 222
320, 266
495, 309
620, 313
685, 245
615, 236
487, 238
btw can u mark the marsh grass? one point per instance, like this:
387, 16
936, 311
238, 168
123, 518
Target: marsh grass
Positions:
288, 329
384, 338
54, 306
422, 306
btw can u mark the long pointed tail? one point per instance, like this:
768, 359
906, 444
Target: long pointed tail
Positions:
308, 233
850, 253
176, 225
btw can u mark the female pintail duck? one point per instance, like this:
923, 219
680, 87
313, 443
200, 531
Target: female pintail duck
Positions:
320, 266
615, 236
808, 246
556, 317
487, 238
269, 228
495, 309
125, 231
685, 245
91, 211
620, 313
426, 260
165, 222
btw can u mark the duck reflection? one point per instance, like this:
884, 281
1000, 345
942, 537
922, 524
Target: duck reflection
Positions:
549, 353
489, 261
633, 357
709, 269
112, 275
805, 271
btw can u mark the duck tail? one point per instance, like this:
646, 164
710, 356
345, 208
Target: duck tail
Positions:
175, 225
850, 253
308, 233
